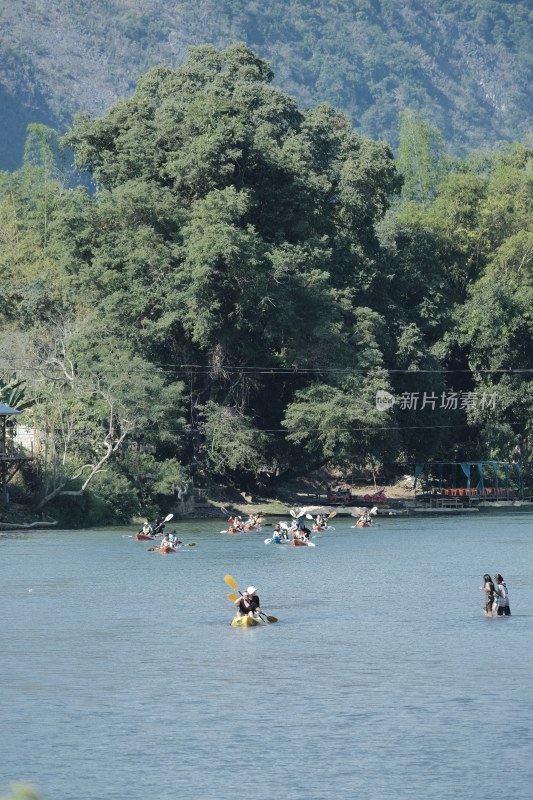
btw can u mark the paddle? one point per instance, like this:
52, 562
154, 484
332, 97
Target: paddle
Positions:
231, 582
167, 519
224, 510
234, 585
158, 529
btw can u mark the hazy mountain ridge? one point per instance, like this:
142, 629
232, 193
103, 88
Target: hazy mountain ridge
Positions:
466, 64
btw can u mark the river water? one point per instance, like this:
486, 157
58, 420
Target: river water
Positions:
122, 678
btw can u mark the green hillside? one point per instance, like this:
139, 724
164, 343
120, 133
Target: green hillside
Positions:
466, 65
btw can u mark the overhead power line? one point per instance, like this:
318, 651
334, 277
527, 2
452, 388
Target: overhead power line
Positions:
369, 429
266, 370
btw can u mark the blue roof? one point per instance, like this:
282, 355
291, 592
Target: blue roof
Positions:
5, 410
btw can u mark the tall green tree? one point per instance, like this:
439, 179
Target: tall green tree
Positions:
421, 157
230, 229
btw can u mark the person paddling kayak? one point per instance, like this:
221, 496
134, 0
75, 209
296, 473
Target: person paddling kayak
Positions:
159, 526
168, 541
248, 604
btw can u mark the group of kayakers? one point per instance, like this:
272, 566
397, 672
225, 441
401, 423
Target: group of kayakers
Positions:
496, 596
285, 533
238, 525
496, 592
297, 528
155, 530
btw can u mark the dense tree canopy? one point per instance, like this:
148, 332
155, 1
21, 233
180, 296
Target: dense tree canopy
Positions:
242, 277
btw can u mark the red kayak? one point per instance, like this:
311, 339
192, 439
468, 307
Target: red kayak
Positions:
144, 537
298, 542
167, 549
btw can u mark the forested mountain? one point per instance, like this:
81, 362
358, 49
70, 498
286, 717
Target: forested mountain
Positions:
243, 279
466, 64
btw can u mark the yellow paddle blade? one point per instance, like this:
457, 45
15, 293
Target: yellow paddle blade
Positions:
232, 597
231, 582
272, 619
333, 514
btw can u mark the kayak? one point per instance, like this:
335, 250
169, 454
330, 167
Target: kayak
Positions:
256, 527
233, 530
247, 622
364, 525
298, 542
167, 549
144, 537
277, 540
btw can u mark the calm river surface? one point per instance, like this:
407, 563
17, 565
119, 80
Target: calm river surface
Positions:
121, 677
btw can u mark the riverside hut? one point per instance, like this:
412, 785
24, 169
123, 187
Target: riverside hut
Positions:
11, 459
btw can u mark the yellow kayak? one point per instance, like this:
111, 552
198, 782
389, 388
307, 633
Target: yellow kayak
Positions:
246, 622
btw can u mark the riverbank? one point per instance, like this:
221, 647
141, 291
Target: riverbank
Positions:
293, 495
304, 492
209, 505
16, 516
